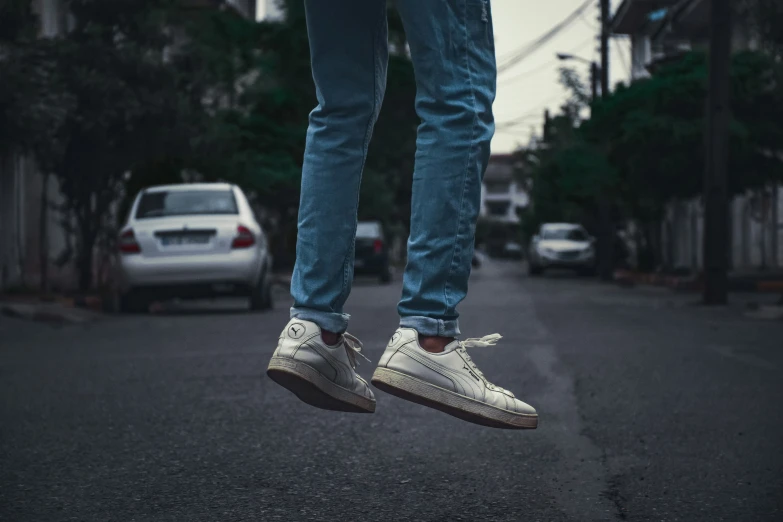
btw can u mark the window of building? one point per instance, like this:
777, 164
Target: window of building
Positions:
497, 187
498, 208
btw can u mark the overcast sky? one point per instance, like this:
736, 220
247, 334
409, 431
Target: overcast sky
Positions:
532, 85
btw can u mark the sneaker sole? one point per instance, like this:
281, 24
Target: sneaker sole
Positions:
465, 408
315, 389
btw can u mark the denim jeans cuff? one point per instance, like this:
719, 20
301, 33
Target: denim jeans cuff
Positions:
430, 326
329, 321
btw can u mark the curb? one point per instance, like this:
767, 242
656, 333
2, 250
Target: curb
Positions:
627, 278
696, 284
767, 313
283, 279
47, 313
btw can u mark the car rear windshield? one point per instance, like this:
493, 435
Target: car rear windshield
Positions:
368, 230
186, 203
572, 234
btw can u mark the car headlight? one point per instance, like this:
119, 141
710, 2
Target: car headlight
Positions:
546, 251
588, 252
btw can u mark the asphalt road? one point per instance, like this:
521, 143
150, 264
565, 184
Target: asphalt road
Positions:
651, 408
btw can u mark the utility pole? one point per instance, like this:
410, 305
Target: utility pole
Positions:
547, 127
605, 29
593, 82
605, 225
716, 212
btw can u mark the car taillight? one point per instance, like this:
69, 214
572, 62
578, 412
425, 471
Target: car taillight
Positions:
244, 238
128, 244
378, 246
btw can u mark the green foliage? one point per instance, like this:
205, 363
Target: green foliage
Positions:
17, 21
261, 145
126, 111
580, 95
644, 144
765, 18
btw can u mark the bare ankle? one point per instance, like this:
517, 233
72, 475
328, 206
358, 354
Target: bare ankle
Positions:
330, 338
434, 343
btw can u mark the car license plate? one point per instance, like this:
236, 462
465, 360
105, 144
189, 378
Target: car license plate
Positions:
192, 239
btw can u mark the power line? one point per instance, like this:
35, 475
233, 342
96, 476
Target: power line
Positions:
588, 23
520, 134
534, 113
553, 31
533, 46
545, 66
528, 73
517, 122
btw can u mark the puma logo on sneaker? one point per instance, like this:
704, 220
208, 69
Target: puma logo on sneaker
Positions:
296, 330
321, 375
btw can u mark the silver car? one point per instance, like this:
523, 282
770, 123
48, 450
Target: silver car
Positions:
193, 241
562, 245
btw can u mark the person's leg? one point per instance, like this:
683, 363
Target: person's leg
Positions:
452, 48
349, 54
453, 54
314, 358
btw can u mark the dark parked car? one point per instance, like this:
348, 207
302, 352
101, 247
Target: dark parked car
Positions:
372, 252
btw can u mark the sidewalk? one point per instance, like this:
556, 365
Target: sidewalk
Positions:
59, 311
79, 309
766, 282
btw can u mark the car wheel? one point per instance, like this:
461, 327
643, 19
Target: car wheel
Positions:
133, 302
261, 298
385, 276
588, 271
534, 270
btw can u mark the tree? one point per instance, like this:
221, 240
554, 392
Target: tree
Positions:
17, 21
123, 108
141, 91
260, 143
643, 144
765, 17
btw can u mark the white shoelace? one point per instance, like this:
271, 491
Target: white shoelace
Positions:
353, 347
483, 342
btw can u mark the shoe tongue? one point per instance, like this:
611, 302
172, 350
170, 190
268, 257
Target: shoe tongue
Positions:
453, 345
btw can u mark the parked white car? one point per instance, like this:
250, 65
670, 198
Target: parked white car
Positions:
193, 241
562, 245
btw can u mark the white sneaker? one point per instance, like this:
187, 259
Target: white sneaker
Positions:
450, 382
321, 375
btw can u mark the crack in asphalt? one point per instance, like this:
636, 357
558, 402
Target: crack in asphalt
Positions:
581, 488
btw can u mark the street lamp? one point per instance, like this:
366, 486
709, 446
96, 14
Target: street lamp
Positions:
594, 71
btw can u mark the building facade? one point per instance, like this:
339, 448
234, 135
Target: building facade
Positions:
502, 196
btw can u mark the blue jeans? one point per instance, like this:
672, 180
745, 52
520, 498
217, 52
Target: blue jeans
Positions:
452, 48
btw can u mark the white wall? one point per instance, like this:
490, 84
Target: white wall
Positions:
268, 10
516, 196
11, 222
756, 240
21, 191
641, 54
